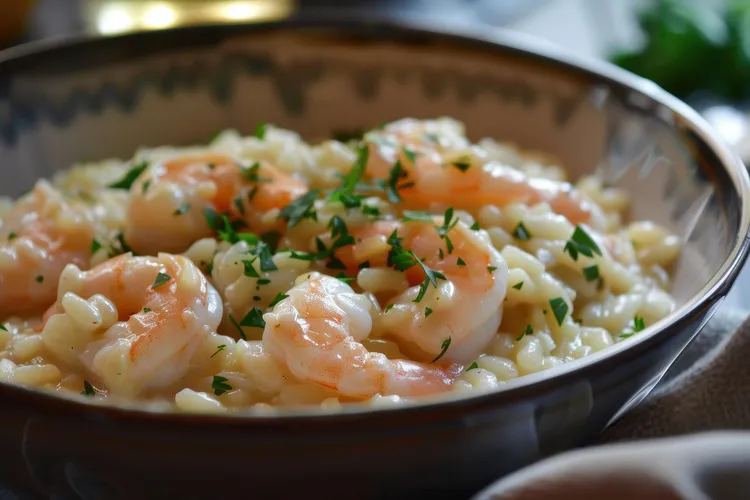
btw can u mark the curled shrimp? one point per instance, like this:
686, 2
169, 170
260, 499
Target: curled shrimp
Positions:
168, 202
459, 175
42, 234
317, 333
462, 310
137, 320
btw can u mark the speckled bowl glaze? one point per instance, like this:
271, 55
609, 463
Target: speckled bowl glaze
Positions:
79, 99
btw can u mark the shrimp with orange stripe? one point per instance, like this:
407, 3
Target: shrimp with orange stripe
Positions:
137, 320
173, 202
437, 171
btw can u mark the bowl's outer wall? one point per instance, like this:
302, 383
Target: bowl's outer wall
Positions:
92, 101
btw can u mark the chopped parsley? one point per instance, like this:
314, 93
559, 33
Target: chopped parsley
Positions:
591, 273
147, 309
472, 366
88, 389
518, 285
264, 254
251, 173
263, 281
182, 209
626, 335
475, 226
254, 318
260, 131
95, 246
161, 278
427, 311
212, 218
521, 233
431, 137
3, 327
344, 278
391, 185
238, 327
279, 297
130, 176
638, 324
412, 215
301, 255
39, 278
345, 192
145, 186
272, 239
219, 348
368, 210
559, 309
239, 204
410, 155
220, 386
448, 223
460, 262
431, 278
581, 243
463, 163
527, 331
12, 236
491, 269
301, 208
250, 271
444, 347
388, 308
364, 265
398, 257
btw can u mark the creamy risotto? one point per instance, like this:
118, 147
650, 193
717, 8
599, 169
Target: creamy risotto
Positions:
263, 271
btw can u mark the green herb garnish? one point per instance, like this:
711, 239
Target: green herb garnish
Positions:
431, 278
260, 131
39, 278
527, 331
12, 236
387, 308
279, 297
130, 176
182, 209
638, 324
250, 271
518, 285
460, 262
301, 208
254, 318
559, 309
161, 278
475, 226
521, 233
88, 389
95, 246
219, 348
581, 243
463, 163
444, 347
591, 273
472, 366
427, 311
220, 386
411, 215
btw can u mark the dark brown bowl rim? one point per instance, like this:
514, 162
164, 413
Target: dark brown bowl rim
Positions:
486, 39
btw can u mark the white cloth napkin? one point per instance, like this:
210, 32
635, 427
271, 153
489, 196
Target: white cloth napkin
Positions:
708, 389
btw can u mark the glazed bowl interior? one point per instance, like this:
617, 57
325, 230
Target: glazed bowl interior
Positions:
65, 102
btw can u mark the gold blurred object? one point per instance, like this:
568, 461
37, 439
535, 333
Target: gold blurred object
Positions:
14, 15
111, 17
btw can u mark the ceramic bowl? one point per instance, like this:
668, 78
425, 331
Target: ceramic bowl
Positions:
64, 101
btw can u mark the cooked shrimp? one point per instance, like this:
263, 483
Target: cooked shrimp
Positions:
317, 333
459, 175
167, 202
465, 307
133, 322
42, 234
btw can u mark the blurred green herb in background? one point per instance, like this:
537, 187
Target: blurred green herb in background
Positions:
692, 48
